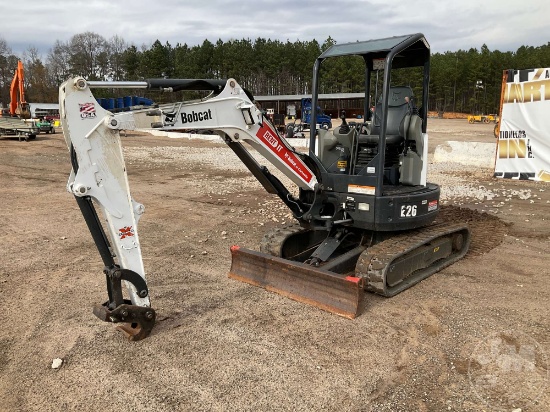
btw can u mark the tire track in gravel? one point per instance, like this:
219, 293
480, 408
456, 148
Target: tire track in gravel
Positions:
488, 231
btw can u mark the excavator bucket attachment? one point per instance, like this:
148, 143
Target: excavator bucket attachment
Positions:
333, 292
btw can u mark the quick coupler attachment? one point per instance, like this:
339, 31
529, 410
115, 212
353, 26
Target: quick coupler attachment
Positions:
137, 321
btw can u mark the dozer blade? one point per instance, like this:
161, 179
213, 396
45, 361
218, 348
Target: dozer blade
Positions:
333, 292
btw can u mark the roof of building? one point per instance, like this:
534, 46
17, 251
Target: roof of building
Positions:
298, 97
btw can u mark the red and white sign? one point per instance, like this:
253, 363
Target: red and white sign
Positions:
273, 142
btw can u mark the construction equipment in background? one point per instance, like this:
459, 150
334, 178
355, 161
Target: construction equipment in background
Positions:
482, 118
12, 122
363, 208
18, 105
45, 126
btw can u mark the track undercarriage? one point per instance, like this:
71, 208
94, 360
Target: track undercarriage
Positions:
293, 262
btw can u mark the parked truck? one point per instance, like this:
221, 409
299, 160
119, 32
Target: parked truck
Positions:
323, 120
297, 129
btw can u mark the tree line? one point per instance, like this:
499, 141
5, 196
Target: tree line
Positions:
467, 81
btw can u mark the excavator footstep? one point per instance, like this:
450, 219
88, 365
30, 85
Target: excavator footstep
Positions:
136, 322
333, 292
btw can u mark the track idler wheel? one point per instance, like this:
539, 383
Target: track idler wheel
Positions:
457, 242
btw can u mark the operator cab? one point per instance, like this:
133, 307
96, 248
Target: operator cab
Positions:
381, 161
403, 133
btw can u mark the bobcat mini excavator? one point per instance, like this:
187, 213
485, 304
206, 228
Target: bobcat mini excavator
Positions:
363, 209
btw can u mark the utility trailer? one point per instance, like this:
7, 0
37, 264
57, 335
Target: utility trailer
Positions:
15, 127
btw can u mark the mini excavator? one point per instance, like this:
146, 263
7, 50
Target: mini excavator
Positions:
364, 211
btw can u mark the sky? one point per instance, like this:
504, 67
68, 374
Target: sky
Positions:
448, 25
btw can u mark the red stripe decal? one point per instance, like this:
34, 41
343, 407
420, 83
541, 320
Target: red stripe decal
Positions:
273, 142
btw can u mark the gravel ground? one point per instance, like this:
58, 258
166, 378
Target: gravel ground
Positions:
473, 337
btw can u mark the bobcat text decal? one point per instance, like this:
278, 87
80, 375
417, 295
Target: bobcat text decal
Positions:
196, 116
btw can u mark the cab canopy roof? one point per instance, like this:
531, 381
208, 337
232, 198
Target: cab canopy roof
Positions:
410, 50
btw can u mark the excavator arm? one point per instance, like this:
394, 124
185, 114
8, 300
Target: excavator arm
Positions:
232, 114
98, 177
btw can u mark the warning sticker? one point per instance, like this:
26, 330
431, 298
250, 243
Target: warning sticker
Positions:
432, 205
274, 144
364, 190
125, 232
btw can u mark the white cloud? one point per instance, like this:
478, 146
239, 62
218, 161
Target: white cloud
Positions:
447, 26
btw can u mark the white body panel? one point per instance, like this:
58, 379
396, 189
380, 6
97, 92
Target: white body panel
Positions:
102, 174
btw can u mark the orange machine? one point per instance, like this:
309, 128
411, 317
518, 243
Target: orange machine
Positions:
18, 107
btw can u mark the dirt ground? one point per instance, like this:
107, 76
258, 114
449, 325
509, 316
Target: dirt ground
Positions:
473, 337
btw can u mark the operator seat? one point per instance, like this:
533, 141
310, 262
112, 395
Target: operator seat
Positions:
398, 108
397, 127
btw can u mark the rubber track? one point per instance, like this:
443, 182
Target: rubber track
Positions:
487, 232
372, 263
274, 239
